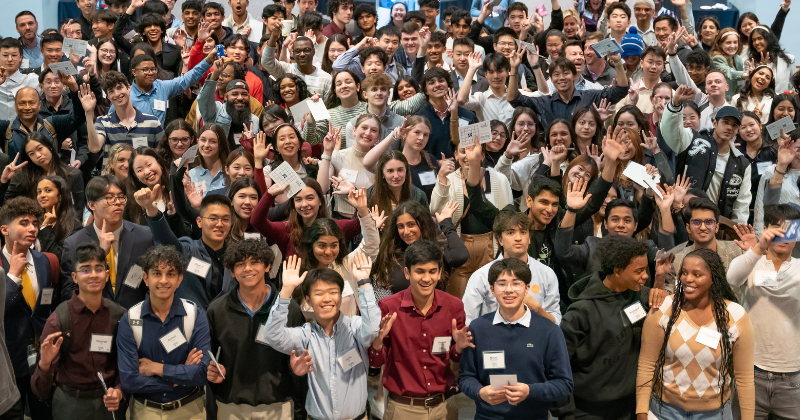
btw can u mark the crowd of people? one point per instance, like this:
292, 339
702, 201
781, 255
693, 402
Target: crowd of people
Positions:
619, 244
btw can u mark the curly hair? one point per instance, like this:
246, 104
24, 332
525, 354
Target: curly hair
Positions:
113, 154
18, 207
408, 79
334, 5
151, 19
747, 90
162, 254
241, 251
617, 252
773, 46
300, 84
321, 227
163, 148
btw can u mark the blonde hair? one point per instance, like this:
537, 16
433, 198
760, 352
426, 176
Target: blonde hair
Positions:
113, 154
716, 49
573, 14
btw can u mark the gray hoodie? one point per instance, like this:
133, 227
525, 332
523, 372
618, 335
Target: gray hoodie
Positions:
9, 394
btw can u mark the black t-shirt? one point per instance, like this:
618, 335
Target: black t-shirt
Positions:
423, 177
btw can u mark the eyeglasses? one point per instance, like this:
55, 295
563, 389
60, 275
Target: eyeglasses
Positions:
225, 75
147, 70
88, 270
304, 51
499, 134
107, 52
214, 220
514, 285
697, 223
176, 140
506, 44
114, 199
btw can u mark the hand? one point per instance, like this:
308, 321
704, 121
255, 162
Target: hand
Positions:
378, 217
105, 238
245, 31
301, 365
2, 75
785, 4
517, 145
538, 23
11, 170
486, 11
204, 31
214, 374
277, 189
475, 60
492, 397
88, 100
683, 93
135, 4
275, 30
66, 31
747, 236
633, 92
289, 41
691, 40
146, 197
612, 147
180, 37
665, 202
656, 297
785, 152
50, 217
149, 368
615, 60
194, 357
89, 63
672, 43
533, 57
516, 57
765, 59
581, 29
386, 326
767, 236
112, 399
424, 36
68, 81
576, 197
446, 167
450, 100
462, 337
361, 267
532, 304
682, 185
358, 199
650, 142
291, 276
194, 195
341, 186
49, 349
663, 266
260, 149
330, 140
558, 154
447, 211
525, 26
759, 111
517, 393
603, 109
217, 67
594, 152
546, 159
185, 53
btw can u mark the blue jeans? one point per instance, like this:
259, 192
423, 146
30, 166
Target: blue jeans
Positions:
673, 412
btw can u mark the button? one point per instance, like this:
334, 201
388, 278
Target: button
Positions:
424, 335
429, 384
424, 351
424, 367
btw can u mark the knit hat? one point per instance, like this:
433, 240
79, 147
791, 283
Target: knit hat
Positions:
632, 43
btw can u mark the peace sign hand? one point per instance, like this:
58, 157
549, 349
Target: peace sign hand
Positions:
330, 140
11, 170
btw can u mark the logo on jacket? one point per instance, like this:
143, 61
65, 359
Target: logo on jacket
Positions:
699, 145
735, 180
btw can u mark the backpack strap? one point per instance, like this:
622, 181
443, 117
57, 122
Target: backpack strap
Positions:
188, 320
135, 312
65, 324
50, 129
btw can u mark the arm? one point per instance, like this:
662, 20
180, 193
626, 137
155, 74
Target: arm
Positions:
475, 295
721, 64
675, 135
196, 53
162, 234
270, 63
368, 324
65, 125
279, 336
741, 208
347, 61
411, 105
652, 340
564, 249
455, 253
468, 373
559, 373
370, 161
780, 19
206, 101
742, 266
131, 380
682, 78
193, 375
475, 62
743, 367
120, 26
96, 138
43, 377
176, 86
179, 200
276, 231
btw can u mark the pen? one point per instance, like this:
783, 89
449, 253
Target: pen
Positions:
102, 382
214, 359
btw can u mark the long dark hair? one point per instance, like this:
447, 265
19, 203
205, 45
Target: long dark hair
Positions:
178, 124
382, 194
333, 100
777, 101
747, 15
31, 173
720, 291
327, 64
538, 139
773, 46
235, 154
408, 79
598, 132
493, 157
641, 120
322, 226
117, 60
234, 188
571, 154
135, 212
278, 158
747, 90
66, 216
295, 222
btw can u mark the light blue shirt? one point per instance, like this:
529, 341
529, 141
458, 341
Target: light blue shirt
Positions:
492, 22
333, 392
164, 90
34, 55
213, 182
582, 84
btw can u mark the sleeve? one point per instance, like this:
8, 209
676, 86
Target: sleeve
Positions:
377, 358
566, 251
664, 168
409, 106
350, 227
484, 41
743, 351
130, 379
179, 84
277, 232
682, 78
269, 62
772, 194
574, 330
42, 381
206, 101
777, 24
65, 125
730, 73
552, 300
535, 103
468, 375
559, 372
279, 336
456, 253
475, 295
599, 190
652, 340
370, 241
119, 37
741, 208
195, 54
162, 234
180, 201
479, 206
741, 267
78, 197
521, 171
345, 61
193, 375
370, 318
677, 137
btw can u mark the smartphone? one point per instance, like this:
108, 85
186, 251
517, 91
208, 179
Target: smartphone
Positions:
220, 51
541, 10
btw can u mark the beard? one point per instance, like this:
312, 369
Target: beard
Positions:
237, 117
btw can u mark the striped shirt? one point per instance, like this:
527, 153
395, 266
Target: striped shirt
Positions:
145, 126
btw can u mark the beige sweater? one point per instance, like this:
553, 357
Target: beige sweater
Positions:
691, 377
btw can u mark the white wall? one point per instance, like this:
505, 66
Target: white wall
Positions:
38, 7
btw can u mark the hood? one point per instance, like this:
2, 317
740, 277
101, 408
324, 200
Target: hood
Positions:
590, 287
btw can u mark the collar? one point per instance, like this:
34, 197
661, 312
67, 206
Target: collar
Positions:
17, 76
114, 117
77, 304
336, 326
135, 90
219, 254
17, 124
407, 301
525, 320
557, 96
175, 310
29, 257
38, 45
117, 232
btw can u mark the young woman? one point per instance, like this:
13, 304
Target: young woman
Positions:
146, 170
239, 164
41, 160
749, 21
206, 171
60, 219
593, 10
290, 90
336, 46
344, 103
765, 49
709, 28
588, 127
272, 116
598, 219
691, 115
560, 133
701, 318
152, 29
757, 93
726, 56
583, 167
783, 105
288, 143
397, 12
760, 153
409, 223
496, 147
405, 88
521, 159
105, 57
118, 157
178, 137
393, 184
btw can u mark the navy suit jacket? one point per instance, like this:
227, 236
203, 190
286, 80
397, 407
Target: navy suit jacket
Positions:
134, 241
22, 324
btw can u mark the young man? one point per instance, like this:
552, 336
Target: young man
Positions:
460, 25
124, 243
240, 50
246, 305
230, 115
12, 79
490, 104
125, 123
163, 344
366, 18
764, 276
711, 160
28, 29
512, 231
507, 339
312, 21
77, 344
363, 60
338, 386
214, 14
618, 15
652, 64
341, 12
304, 6
434, 47
52, 46
206, 276
632, 49
698, 65
597, 69
191, 10
431, 10
88, 8
435, 84
665, 26
602, 328
55, 101
303, 51
462, 49
416, 16
103, 26
241, 22
573, 51
644, 10
409, 40
414, 392
714, 85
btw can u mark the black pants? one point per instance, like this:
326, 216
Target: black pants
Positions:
38, 409
623, 409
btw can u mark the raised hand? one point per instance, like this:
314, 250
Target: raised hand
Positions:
424, 36
378, 216
450, 99
446, 167
447, 211
462, 337
358, 199
517, 145
475, 60
538, 22
11, 170
533, 57
594, 152
558, 154
650, 142
386, 327
341, 186
633, 92
683, 93
672, 42
301, 365
245, 31
277, 189
665, 201
195, 197
603, 109
765, 59
49, 349
68, 81
361, 267
88, 100
203, 31
681, 186
747, 236
291, 276
330, 140
576, 197
486, 10
50, 217
106, 238
767, 236
516, 57
786, 152
785, 4
180, 36
546, 156
146, 197
612, 147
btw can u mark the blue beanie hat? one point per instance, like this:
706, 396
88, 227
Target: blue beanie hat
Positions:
632, 43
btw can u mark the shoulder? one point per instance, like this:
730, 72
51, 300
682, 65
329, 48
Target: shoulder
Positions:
482, 322
736, 311
449, 300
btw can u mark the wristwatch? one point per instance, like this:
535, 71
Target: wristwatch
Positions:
363, 282
570, 209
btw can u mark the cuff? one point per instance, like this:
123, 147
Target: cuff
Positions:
16, 279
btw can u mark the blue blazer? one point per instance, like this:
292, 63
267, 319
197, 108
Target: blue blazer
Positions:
22, 324
134, 241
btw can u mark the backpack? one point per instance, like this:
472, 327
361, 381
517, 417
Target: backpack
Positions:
64, 321
47, 126
135, 312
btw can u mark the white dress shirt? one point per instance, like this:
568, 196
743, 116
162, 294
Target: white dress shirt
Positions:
30, 268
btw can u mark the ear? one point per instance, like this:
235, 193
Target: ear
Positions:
529, 201
144, 278
4, 230
180, 280
91, 205
74, 276
199, 220
407, 273
266, 270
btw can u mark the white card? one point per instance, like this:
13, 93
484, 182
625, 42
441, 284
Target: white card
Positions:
349, 174
134, 277
129, 36
198, 267
476, 134
299, 110
64, 67
762, 167
284, 174
427, 178
638, 174
462, 123
606, 47
188, 155
26, 63
201, 186
499, 381
139, 142
441, 344
708, 337
720, 166
635, 312
318, 110
78, 46
172, 340
237, 138
72, 155
261, 336
47, 296
101, 343
159, 105
766, 278
350, 359
252, 235
348, 290
773, 129
494, 359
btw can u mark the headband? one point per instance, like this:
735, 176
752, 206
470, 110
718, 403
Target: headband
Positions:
762, 27
730, 33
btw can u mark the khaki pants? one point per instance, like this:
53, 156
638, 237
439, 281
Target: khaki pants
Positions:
191, 411
481, 250
276, 411
395, 411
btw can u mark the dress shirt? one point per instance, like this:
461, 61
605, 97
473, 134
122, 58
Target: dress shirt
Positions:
256, 27
162, 389
334, 393
488, 106
213, 181
581, 84
9, 89
524, 320
411, 369
552, 107
164, 90
332, 29
79, 371
33, 54
117, 233
391, 70
30, 269
605, 78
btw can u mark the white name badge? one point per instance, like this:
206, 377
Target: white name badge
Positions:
173, 340
763, 278
427, 178
494, 359
635, 312
720, 166
462, 122
26, 63
350, 360
47, 296
441, 344
237, 137
762, 166
261, 336
708, 337
159, 105
348, 290
134, 277
200, 186
198, 267
252, 235
101, 343
349, 174
139, 142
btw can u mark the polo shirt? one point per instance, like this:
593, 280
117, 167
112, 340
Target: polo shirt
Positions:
332, 29
144, 125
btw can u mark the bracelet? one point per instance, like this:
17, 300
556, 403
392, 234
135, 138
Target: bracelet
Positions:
325, 157
536, 67
777, 171
513, 74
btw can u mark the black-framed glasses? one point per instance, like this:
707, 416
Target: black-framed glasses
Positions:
176, 140
697, 223
114, 199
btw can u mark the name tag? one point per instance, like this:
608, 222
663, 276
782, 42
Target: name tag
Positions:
198, 267
766, 278
462, 122
236, 138
427, 178
708, 337
261, 336
349, 174
200, 186
720, 166
159, 105
173, 340
350, 360
441, 344
47, 296
101, 343
134, 277
494, 359
348, 290
252, 235
26, 63
762, 167
635, 312
139, 142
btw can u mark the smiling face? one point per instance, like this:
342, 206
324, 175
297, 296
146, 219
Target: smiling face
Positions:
162, 280
345, 86
627, 120
208, 146
52, 87
460, 29
238, 52
515, 20
563, 79
410, 42
51, 52
39, 154
95, 278
145, 73
249, 273
652, 65
398, 12
506, 45
121, 164
307, 203
326, 249
702, 226
730, 45
288, 90
588, 53
716, 84
570, 27
10, 59
47, 194
214, 18
215, 223
191, 18
430, 15
575, 55
620, 221
244, 201
543, 208
423, 278
461, 57
758, 41
695, 278
750, 130
643, 13
524, 125
691, 119
435, 51
27, 105
147, 170
303, 52
405, 90
153, 33
286, 142
324, 298
560, 136
663, 31
509, 291
634, 275
367, 133
553, 45
373, 65
784, 109
335, 50
106, 53
580, 172
760, 79
499, 138
239, 168
708, 31
27, 27
748, 25
179, 142
408, 228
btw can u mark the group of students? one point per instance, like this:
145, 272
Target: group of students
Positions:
158, 264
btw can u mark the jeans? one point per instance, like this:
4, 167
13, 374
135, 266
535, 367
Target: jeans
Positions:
778, 394
673, 412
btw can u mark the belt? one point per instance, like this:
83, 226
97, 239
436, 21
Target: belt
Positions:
81, 394
431, 401
172, 405
358, 417
782, 374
